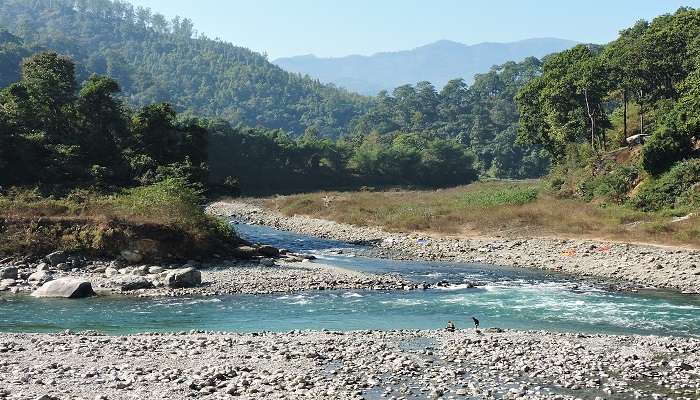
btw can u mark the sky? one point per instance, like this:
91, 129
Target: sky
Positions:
334, 28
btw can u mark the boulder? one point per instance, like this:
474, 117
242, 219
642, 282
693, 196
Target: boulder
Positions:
132, 282
155, 270
183, 278
56, 258
8, 273
40, 277
43, 267
131, 256
5, 284
110, 272
64, 266
267, 262
245, 252
65, 287
268, 251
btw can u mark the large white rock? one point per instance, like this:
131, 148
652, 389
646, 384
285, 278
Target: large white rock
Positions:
65, 287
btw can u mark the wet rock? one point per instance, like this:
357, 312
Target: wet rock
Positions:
66, 288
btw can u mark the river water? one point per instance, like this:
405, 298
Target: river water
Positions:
505, 298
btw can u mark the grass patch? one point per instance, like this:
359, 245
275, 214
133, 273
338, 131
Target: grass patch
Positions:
160, 221
495, 196
524, 209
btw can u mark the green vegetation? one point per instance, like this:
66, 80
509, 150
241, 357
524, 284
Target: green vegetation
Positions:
590, 99
156, 60
163, 220
495, 196
483, 117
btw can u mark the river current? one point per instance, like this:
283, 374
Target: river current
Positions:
504, 297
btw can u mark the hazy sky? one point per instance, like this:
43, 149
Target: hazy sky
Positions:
337, 28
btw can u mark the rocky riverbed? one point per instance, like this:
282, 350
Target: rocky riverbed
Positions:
643, 266
290, 273
351, 365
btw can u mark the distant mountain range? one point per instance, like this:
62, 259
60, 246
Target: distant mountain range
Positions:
436, 62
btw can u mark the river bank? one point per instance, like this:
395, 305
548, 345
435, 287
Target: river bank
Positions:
351, 365
263, 276
621, 263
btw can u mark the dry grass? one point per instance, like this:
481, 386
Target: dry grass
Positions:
493, 209
167, 212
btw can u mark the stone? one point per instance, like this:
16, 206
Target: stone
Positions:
132, 282
43, 267
268, 251
183, 278
245, 252
56, 258
66, 288
64, 267
267, 262
131, 256
40, 277
155, 270
8, 273
110, 272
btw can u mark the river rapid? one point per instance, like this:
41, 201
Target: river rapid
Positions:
501, 297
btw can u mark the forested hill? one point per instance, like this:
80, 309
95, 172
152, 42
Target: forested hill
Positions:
157, 60
436, 62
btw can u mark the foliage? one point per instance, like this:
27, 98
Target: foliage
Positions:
482, 117
166, 213
680, 182
650, 73
146, 53
669, 144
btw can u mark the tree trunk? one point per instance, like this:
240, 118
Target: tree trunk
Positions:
590, 116
624, 113
641, 113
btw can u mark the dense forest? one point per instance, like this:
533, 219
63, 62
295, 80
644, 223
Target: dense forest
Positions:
394, 140
482, 117
58, 134
590, 99
121, 108
156, 60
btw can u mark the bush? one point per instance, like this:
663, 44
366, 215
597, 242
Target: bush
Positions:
166, 214
665, 191
668, 145
615, 185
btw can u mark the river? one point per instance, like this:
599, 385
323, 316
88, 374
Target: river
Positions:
504, 297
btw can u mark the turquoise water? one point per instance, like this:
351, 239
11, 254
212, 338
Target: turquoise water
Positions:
506, 298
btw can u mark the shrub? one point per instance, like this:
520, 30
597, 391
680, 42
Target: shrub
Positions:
667, 189
615, 185
668, 145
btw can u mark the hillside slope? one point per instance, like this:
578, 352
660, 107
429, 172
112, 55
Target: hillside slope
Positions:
157, 60
436, 62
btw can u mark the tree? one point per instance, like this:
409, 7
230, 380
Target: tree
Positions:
49, 80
